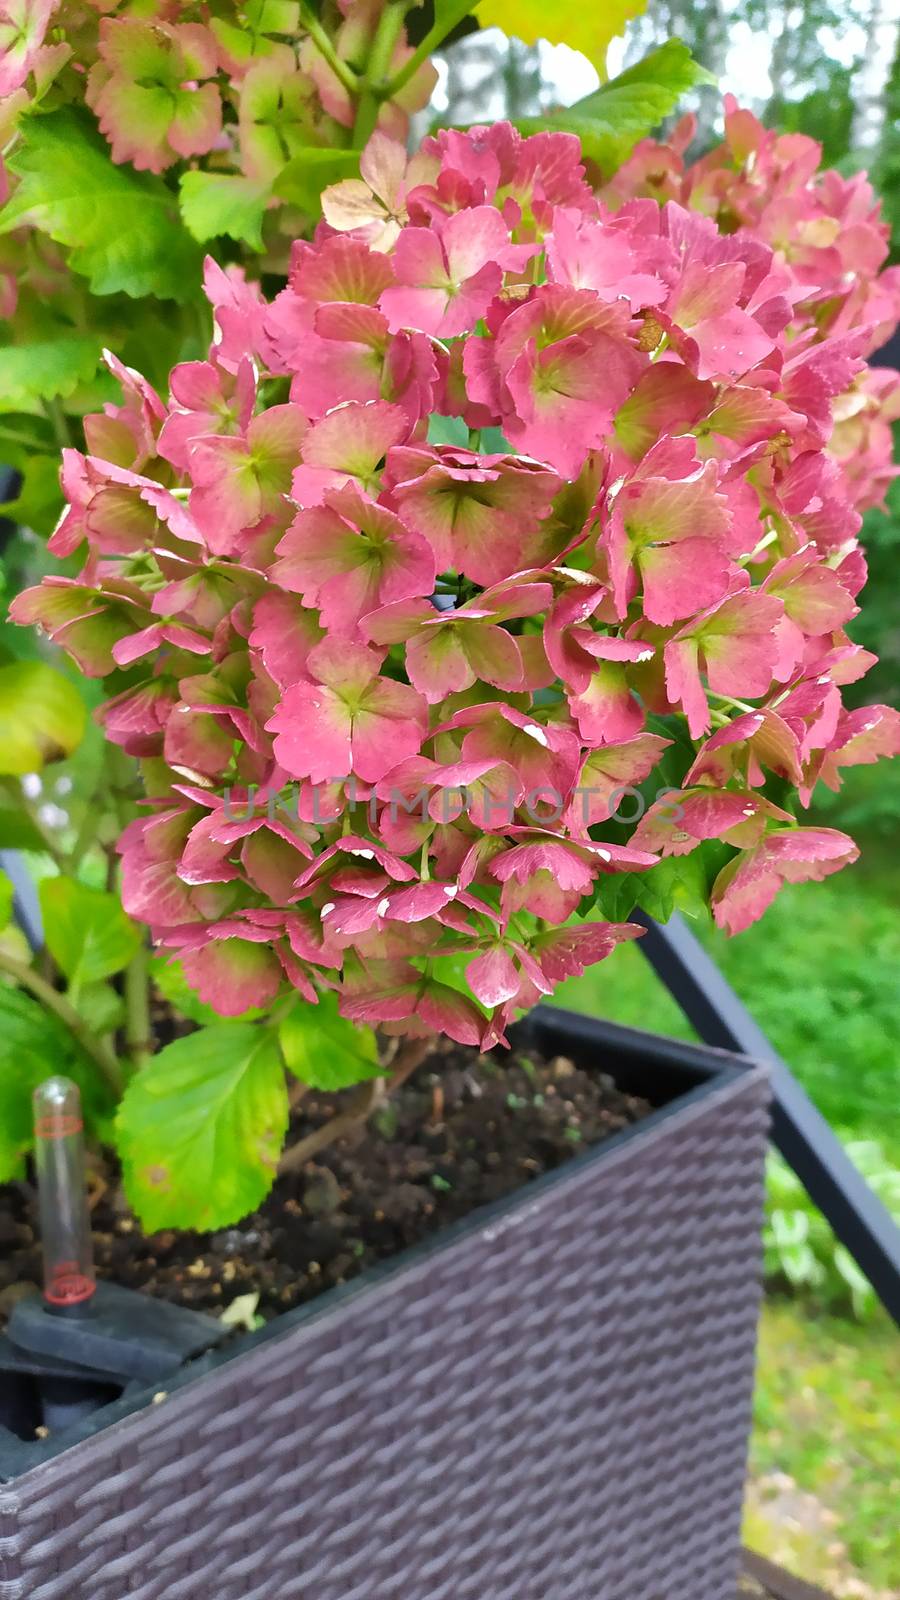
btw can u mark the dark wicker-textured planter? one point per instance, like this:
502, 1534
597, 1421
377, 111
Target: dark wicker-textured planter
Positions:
550, 1401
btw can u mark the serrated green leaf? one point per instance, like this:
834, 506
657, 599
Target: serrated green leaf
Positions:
42, 716
214, 204
122, 227
33, 1046
612, 120
312, 170
48, 369
87, 932
201, 1128
323, 1049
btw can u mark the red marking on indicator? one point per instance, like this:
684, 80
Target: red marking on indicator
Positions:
57, 1125
69, 1285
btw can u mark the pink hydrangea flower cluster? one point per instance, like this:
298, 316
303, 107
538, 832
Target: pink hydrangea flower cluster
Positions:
160, 80
828, 235
160, 86
508, 504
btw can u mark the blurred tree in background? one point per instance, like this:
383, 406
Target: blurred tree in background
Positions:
828, 68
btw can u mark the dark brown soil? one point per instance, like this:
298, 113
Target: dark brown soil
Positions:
463, 1131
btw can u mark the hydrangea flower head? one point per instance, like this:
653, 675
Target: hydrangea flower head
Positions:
514, 501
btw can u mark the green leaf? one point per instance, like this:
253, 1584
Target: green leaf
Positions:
312, 170
102, 1008
46, 369
87, 932
23, 1044
122, 226
273, 16
7, 895
214, 203
39, 500
201, 1128
678, 883
612, 120
42, 716
588, 28
323, 1049
172, 984
33, 1046
448, 430
17, 831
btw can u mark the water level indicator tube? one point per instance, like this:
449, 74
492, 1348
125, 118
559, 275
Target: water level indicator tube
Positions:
69, 1280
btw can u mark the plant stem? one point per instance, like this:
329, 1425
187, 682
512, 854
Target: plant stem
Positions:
85, 838
739, 705
371, 1095
102, 1057
450, 15
341, 69
138, 1031
13, 436
48, 839
58, 421
374, 85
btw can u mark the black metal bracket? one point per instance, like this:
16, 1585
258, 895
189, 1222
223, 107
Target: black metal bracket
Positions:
799, 1131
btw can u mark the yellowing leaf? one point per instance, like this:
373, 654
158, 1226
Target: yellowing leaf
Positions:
588, 28
42, 716
242, 1312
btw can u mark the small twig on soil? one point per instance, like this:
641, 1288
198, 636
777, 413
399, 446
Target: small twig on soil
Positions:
97, 1188
367, 1099
437, 1104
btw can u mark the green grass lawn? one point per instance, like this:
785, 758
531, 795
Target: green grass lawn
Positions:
820, 975
825, 1469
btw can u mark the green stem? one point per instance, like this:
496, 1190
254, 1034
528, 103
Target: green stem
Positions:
103, 1058
341, 69
85, 838
739, 705
59, 422
49, 840
374, 85
13, 436
451, 15
138, 1030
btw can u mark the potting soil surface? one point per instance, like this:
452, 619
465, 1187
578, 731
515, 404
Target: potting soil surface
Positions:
463, 1131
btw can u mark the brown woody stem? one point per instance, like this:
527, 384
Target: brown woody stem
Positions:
367, 1099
